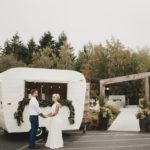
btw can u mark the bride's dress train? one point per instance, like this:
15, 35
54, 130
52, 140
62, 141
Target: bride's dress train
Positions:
55, 139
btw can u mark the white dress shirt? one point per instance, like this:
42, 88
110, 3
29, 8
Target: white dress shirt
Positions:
34, 108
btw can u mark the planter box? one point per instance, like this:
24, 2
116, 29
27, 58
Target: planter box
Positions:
103, 122
144, 124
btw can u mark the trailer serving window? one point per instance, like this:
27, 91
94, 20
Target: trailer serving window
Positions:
46, 90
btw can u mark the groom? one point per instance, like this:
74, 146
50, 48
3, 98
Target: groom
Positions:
34, 112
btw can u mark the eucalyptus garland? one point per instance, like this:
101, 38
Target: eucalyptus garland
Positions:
18, 115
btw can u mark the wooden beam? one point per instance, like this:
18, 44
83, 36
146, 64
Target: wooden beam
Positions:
138, 76
125, 78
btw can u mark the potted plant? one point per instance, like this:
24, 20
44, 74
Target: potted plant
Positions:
104, 115
143, 115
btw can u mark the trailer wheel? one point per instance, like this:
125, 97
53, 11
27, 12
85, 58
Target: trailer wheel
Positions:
5, 132
40, 132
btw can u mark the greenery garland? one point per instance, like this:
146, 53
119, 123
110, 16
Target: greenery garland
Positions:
18, 115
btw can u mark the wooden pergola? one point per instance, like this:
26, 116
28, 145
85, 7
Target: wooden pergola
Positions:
144, 76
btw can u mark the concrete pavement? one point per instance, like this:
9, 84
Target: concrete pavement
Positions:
93, 140
126, 120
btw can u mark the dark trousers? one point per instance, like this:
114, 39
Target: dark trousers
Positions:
34, 120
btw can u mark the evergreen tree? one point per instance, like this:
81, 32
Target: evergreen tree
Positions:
17, 48
47, 41
61, 39
32, 48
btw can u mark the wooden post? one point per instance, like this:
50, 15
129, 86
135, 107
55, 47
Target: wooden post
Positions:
102, 89
147, 88
86, 107
87, 100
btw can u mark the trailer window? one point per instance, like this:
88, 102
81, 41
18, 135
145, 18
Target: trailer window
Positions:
46, 90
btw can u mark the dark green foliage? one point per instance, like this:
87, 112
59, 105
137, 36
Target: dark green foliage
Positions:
47, 41
144, 104
18, 115
16, 47
61, 39
32, 48
102, 101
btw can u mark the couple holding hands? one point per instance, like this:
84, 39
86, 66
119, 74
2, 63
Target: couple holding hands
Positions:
54, 139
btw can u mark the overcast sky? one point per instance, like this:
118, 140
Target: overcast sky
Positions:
81, 20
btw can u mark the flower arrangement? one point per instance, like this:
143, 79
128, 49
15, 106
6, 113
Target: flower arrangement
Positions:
105, 114
104, 109
143, 114
144, 110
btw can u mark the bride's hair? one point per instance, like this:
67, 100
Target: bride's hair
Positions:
57, 96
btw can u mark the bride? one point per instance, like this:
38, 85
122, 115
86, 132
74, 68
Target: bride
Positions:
55, 139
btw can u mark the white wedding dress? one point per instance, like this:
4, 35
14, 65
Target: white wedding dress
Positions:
55, 139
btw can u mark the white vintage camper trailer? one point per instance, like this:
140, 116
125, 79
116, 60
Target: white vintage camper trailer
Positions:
16, 83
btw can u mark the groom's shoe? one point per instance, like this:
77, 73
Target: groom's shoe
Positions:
34, 147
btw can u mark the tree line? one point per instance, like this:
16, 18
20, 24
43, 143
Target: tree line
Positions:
95, 61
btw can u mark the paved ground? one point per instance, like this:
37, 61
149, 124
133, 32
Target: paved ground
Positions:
126, 120
92, 140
